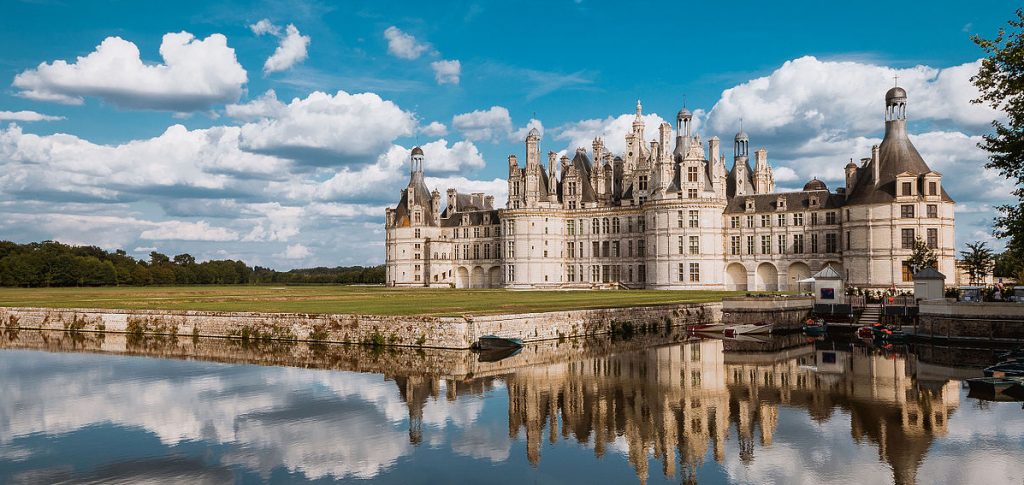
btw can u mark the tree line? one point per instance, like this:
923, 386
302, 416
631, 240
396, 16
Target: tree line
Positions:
51, 263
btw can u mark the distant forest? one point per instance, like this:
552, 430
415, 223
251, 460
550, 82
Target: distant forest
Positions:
50, 263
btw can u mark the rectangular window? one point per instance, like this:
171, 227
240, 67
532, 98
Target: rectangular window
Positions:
907, 238
572, 250
476, 232
629, 224
476, 251
907, 211
831, 243
511, 272
782, 244
691, 174
571, 273
734, 245
595, 226
682, 272
570, 226
933, 211
641, 273
781, 220
798, 243
848, 240
814, 243
750, 244
640, 247
615, 225
798, 219
933, 238
750, 222
694, 218
766, 220
679, 219
814, 218
906, 273
694, 272
734, 222
629, 248
766, 244
907, 188
691, 193
604, 225
487, 251
641, 224
830, 217
596, 251
681, 245
694, 245
615, 249
933, 188
643, 182
605, 249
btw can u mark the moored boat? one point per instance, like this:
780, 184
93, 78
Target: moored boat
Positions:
1005, 369
491, 342
995, 388
748, 328
815, 328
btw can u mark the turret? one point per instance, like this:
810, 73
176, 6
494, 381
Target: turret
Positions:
851, 177
451, 200
764, 179
435, 206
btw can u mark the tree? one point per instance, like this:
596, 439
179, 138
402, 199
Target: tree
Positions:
1001, 82
922, 257
977, 261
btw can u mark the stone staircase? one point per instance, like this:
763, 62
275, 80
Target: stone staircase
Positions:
872, 315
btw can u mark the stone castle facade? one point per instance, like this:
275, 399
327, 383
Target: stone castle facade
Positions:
669, 214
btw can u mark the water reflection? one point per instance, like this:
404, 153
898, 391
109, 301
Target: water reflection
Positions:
655, 408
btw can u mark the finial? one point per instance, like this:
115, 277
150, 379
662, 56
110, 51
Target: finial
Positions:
896, 80
639, 108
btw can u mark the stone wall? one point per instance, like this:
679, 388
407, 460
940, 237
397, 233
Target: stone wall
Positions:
971, 320
413, 331
389, 361
786, 313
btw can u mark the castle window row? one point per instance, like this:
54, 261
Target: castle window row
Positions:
782, 244
607, 273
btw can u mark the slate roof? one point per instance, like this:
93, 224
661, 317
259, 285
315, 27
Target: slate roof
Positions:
422, 200
794, 201
929, 274
896, 155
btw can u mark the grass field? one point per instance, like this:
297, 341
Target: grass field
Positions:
343, 299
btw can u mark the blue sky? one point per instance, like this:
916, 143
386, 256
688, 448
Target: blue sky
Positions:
190, 151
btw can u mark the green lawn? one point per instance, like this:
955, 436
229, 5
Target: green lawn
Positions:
343, 299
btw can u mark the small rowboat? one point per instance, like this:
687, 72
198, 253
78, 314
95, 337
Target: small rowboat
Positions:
995, 388
815, 328
1005, 369
490, 342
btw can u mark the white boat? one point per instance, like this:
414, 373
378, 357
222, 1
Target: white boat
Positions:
749, 328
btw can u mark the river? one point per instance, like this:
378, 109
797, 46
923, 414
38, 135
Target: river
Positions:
664, 408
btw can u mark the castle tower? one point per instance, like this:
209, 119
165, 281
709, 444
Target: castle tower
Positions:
764, 179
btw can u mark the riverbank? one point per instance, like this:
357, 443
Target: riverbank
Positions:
357, 300
454, 332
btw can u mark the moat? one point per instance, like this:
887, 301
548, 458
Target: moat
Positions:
653, 408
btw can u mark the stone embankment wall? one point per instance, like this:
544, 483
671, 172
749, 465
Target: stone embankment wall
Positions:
389, 361
990, 321
786, 313
413, 331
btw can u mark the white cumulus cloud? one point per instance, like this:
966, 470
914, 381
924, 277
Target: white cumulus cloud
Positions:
324, 129
520, 134
480, 125
291, 50
295, 251
447, 71
27, 116
264, 26
194, 75
403, 45
435, 128
188, 231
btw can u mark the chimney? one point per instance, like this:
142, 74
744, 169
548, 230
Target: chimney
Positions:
875, 171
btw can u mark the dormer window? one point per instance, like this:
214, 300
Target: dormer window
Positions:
487, 219
465, 219
749, 205
813, 201
780, 204
906, 188
417, 217
933, 188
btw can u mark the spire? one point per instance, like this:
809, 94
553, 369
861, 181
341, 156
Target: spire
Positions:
639, 109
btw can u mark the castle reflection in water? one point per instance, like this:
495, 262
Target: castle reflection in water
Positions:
670, 400
679, 401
